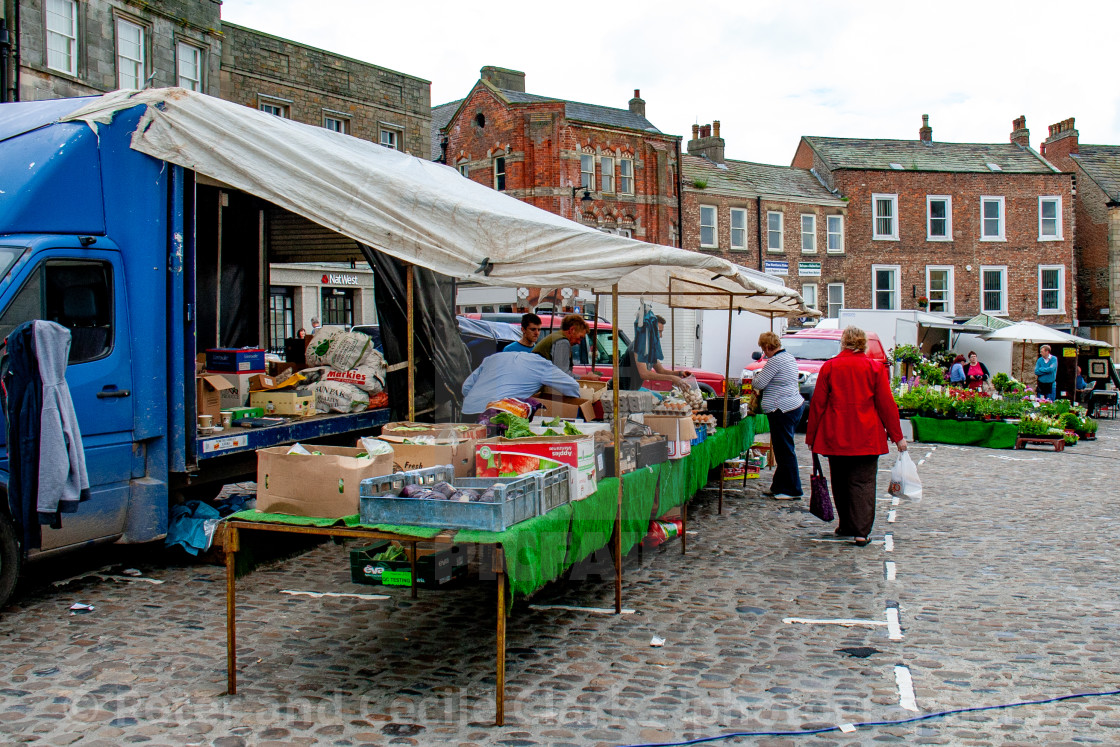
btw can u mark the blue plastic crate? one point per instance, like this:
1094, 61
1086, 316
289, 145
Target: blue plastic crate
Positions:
518, 499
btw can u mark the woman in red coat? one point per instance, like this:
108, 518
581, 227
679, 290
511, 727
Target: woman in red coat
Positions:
850, 416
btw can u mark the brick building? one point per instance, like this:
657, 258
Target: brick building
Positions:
605, 167
80, 48
972, 227
774, 218
324, 89
1096, 172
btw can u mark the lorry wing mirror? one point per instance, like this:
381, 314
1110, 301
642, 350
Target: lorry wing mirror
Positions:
756, 356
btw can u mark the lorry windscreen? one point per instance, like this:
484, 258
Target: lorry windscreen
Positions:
8, 257
810, 348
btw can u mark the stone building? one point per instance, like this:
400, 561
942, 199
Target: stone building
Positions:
1096, 173
605, 167
71, 48
321, 88
777, 219
971, 227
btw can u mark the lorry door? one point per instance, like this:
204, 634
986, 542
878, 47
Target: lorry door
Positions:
83, 290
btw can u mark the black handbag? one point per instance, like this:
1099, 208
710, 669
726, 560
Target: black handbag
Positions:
820, 502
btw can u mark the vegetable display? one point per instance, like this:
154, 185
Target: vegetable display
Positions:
444, 491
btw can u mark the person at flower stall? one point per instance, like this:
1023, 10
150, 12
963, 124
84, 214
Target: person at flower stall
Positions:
976, 372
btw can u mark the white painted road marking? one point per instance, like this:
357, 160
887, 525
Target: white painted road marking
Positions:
905, 688
846, 622
894, 629
888, 542
921, 461
891, 516
889, 566
895, 500
929, 454
569, 608
333, 594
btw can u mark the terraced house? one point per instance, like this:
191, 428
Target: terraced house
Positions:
774, 218
605, 167
964, 228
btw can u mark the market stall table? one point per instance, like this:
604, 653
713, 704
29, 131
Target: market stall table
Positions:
528, 555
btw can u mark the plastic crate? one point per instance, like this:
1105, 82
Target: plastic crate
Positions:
518, 499
553, 488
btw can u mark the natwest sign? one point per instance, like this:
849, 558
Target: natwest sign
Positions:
331, 279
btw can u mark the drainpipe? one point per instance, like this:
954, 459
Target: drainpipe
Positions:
758, 225
15, 55
5, 48
680, 198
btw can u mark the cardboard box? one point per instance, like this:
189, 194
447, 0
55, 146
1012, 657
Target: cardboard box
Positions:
510, 457
280, 369
236, 396
283, 403
679, 431
417, 456
434, 568
208, 394
604, 457
317, 484
235, 360
556, 405
445, 431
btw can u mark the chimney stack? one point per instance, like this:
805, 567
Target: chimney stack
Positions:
926, 132
706, 143
1019, 132
638, 104
500, 77
1062, 140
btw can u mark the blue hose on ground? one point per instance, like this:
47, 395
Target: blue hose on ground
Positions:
862, 724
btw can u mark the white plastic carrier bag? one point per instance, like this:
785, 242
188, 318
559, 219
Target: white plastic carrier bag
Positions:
904, 478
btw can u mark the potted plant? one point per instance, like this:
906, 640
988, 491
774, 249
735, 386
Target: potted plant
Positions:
923, 303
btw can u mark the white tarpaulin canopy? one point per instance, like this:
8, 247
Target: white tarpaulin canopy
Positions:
1039, 334
415, 210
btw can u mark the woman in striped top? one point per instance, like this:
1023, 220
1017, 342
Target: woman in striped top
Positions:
782, 403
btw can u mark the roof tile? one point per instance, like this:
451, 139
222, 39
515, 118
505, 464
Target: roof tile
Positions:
915, 155
752, 179
1102, 164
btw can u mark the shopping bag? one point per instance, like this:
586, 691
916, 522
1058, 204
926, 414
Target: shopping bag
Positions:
904, 478
820, 502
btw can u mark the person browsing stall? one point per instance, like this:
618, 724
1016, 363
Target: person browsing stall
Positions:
518, 375
782, 404
530, 333
557, 347
850, 416
957, 376
641, 365
976, 372
1046, 369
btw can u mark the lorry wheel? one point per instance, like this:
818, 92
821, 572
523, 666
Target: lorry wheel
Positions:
9, 559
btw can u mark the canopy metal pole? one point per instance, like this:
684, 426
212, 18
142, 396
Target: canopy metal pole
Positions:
617, 462
672, 328
595, 334
411, 351
771, 321
726, 381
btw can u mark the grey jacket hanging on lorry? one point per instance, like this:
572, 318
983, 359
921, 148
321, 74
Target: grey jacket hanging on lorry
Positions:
46, 456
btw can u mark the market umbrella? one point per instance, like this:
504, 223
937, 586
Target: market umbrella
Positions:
1035, 334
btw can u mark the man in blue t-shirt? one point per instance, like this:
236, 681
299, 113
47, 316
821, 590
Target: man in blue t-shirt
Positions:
530, 331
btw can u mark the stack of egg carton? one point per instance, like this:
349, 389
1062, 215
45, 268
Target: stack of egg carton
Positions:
629, 403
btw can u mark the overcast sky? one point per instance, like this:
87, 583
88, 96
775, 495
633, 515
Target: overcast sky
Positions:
769, 71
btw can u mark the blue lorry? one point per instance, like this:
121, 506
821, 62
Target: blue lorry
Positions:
147, 264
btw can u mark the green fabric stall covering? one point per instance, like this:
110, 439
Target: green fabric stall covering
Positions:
535, 549
639, 488
673, 477
593, 520
991, 435
348, 521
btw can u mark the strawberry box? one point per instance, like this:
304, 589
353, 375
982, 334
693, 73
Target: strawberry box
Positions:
510, 457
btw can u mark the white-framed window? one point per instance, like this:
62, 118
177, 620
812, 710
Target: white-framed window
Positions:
939, 218
708, 235
1049, 218
500, 173
130, 55
336, 123
809, 293
391, 139
991, 219
606, 174
808, 233
189, 64
62, 36
939, 288
774, 230
626, 176
884, 217
738, 229
835, 299
275, 108
1051, 289
993, 290
835, 226
587, 171
465, 169
884, 287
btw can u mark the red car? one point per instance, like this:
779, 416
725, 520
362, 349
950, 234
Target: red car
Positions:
811, 348
601, 342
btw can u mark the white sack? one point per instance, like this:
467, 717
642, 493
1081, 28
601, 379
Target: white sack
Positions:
319, 349
332, 396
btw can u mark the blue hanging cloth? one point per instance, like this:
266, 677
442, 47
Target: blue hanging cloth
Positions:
647, 342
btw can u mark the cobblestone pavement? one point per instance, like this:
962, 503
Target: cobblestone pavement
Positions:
1004, 579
